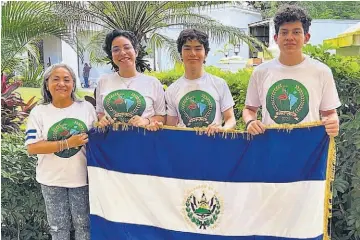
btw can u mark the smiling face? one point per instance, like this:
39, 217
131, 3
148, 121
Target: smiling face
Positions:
291, 38
123, 53
193, 54
60, 84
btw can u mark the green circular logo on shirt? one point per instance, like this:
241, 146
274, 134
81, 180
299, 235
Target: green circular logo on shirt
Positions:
123, 104
64, 129
197, 109
287, 101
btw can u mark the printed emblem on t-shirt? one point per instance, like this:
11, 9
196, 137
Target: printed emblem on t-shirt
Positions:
123, 104
64, 129
197, 109
287, 101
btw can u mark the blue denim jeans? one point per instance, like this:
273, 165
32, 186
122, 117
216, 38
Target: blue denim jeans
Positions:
65, 206
86, 81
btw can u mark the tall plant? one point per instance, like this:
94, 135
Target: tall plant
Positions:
24, 23
346, 191
147, 19
13, 109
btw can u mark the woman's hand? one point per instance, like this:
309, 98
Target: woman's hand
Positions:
77, 140
105, 121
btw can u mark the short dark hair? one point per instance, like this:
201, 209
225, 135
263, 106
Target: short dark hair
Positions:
119, 33
193, 34
292, 13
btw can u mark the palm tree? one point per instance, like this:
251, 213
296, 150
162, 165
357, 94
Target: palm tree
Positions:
145, 19
23, 25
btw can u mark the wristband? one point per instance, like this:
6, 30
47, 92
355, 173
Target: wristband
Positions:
66, 141
248, 123
149, 120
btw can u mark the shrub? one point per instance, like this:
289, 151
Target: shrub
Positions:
23, 211
237, 82
346, 191
13, 108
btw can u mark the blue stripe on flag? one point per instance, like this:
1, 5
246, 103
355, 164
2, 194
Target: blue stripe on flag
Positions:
274, 157
30, 131
30, 137
103, 229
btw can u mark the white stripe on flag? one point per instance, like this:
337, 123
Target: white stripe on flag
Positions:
293, 210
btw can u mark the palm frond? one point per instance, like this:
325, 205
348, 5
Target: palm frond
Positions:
23, 23
159, 41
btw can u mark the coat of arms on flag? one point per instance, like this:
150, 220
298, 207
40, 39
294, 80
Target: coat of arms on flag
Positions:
202, 207
177, 184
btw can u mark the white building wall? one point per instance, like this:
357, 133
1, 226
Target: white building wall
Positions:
52, 50
69, 56
228, 15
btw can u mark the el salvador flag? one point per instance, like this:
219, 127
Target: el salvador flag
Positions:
175, 184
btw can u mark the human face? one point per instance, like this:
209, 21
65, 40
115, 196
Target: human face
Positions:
60, 84
291, 38
123, 53
193, 54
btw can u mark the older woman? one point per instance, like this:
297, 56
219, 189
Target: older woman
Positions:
127, 95
56, 132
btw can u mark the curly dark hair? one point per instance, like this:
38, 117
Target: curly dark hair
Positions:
292, 13
193, 34
119, 33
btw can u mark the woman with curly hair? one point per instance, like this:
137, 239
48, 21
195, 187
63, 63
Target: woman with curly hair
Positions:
127, 95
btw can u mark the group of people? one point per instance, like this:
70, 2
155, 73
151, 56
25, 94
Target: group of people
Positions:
291, 89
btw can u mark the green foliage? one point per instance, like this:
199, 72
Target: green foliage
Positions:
170, 76
147, 19
237, 82
22, 206
13, 109
31, 76
23, 24
316, 9
346, 198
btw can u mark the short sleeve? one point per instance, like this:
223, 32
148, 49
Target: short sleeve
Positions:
91, 113
34, 128
330, 98
159, 103
99, 104
252, 94
171, 109
227, 100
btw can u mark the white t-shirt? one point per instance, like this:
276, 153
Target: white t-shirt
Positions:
199, 102
292, 94
46, 122
123, 98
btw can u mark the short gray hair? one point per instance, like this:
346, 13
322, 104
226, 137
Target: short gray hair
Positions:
45, 93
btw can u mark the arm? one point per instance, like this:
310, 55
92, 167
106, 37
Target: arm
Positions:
229, 118
43, 147
47, 147
172, 120
249, 113
329, 102
253, 126
230, 123
330, 120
